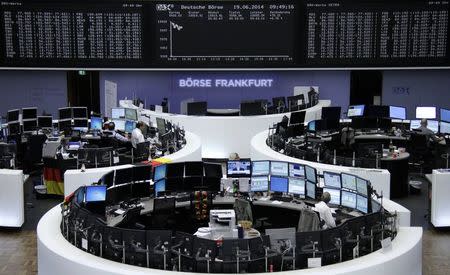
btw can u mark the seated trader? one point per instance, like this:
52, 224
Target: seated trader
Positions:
136, 135
424, 130
110, 131
325, 211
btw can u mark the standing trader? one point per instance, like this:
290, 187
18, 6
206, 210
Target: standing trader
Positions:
325, 211
136, 135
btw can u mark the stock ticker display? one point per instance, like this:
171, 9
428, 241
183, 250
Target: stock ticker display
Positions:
224, 34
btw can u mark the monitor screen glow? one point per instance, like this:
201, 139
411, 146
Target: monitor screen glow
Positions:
297, 186
129, 126
355, 110
445, 127
311, 174
445, 115
426, 112
279, 168
160, 172
278, 184
361, 203
348, 181
397, 112
96, 123
296, 170
259, 184
260, 168
239, 168
332, 179
311, 190
120, 124
361, 186
131, 114
160, 186
95, 193
335, 195
117, 113
348, 199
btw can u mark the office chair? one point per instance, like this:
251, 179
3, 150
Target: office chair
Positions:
420, 154
243, 210
309, 221
141, 152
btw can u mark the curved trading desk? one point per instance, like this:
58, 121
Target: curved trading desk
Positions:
57, 256
76, 178
222, 135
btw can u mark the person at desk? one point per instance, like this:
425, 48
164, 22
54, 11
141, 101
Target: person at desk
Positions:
325, 211
424, 130
136, 135
112, 132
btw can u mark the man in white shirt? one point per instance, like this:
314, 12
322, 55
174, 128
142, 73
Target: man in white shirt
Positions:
325, 211
136, 135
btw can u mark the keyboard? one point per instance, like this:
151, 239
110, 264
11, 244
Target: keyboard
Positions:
283, 199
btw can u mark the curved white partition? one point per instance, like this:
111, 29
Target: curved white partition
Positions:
380, 178
57, 256
12, 209
73, 179
222, 135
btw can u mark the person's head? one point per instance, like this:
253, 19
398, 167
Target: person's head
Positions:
326, 197
140, 125
111, 126
424, 122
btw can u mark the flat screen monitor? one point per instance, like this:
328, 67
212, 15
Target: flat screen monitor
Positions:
161, 125
376, 111
239, 168
160, 172
193, 169
414, 124
142, 173
297, 186
311, 174
29, 125
331, 113
361, 203
259, 184
348, 181
252, 108
348, 199
376, 206
129, 126
278, 184
65, 113
118, 193
175, 170
445, 115
296, 170
197, 108
131, 114
244, 185
213, 170
279, 168
312, 126
396, 112
141, 189
260, 168
95, 193
123, 176
332, 179
45, 122
29, 113
96, 123
445, 127
361, 186
310, 190
117, 113
426, 112
13, 115
14, 128
160, 186
433, 125
80, 123
297, 117
355, 110
64, 124
335, 195
120, 124
80, 112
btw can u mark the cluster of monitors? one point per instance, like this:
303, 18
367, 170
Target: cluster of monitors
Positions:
396, 112
187, 176
124, 119
73, 113
30, 121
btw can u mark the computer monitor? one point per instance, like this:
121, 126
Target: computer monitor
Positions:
297, 186
426, 112
29, 125
259, 184
120, 124
252, 108
297, 117
396, 112
198, 108
80, 112
332, 179
29, 113
279, 168
260, 168
445, 115
310, 190
239, 168
376, 206
80, 123
311, 174
213, 170
117, 113
175, 170
348, 181
129, 126
433, 125
348, 199
193, 169
14, 128
445, 127
65, 113
13, 115
160, 186
312, 126
142, 172
378, 111
361, 186
131, 114
118, 193
161, 125
414, 124
278, 184
64, 124
296, 170
335, 195
331, 113
122, 176
96, 123
141, 189
362, 203
95, 193
160, 172
355, 110
45, 122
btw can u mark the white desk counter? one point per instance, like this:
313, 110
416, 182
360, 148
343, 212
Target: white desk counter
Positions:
12, 209
440, 204
222, 135
380, 178
57, 256
76, 178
